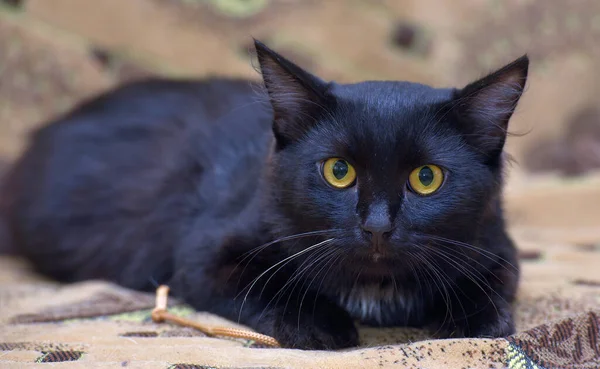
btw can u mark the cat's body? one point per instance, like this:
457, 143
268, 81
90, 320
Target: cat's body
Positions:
204, 186
133, 167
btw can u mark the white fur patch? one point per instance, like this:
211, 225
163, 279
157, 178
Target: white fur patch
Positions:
369, 302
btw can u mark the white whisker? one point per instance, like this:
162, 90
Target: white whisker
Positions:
277, 264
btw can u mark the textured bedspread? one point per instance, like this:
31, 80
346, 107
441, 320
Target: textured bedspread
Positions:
96, 324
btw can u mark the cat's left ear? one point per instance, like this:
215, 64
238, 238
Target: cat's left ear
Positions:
298, 98
484, 107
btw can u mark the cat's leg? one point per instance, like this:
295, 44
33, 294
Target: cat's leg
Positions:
305, 321
481, 304
211, 275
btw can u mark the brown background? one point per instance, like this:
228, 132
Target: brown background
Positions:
53, 53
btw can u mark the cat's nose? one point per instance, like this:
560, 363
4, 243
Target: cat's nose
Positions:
377, 227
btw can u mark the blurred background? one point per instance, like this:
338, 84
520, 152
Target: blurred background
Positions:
53, 53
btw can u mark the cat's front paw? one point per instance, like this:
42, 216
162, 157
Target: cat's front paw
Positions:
487, 324
309, 336
331, 329
491, 325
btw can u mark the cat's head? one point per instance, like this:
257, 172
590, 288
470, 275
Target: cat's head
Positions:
384, 169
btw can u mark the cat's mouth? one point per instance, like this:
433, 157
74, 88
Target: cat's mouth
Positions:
378, 252
376, 269
377, 263
376, 256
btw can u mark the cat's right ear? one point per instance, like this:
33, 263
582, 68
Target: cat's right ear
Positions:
297, 97
485, 106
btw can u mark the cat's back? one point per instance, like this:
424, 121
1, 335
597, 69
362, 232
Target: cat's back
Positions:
199, 107
123, 173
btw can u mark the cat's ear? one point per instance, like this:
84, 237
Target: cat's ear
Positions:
484, 107
297, 97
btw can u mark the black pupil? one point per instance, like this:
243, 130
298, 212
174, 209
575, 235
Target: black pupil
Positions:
340, 169
426, 176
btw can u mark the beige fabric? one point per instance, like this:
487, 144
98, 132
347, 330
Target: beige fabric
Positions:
96, 324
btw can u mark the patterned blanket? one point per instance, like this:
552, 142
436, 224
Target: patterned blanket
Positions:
96, 324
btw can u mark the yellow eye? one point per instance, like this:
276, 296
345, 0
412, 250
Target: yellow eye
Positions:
338, 173
426, 180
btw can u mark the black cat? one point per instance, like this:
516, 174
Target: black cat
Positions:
375, 201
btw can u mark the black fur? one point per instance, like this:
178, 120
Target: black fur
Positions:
207, 187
